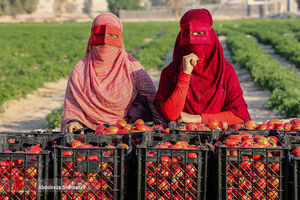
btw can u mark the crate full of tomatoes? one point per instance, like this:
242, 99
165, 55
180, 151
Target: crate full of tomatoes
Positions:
172, 167
24, 173
252, 167
86, 171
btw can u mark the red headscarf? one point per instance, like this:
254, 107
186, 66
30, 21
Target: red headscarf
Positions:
214, 86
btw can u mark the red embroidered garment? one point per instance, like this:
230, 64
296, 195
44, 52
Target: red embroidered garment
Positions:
213, 85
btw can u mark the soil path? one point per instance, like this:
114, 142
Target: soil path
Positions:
29, 113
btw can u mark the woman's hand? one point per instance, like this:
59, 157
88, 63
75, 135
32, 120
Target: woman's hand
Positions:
187, 118
189, 61
71, 127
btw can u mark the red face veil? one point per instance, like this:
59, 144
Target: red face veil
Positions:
106, 34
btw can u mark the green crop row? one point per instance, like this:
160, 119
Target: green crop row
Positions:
288, 47
282, 82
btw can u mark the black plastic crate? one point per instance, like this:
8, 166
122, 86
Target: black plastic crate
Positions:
89, 173
182, 174
290, 138
252, 173
296, 178
23, 175
16, 141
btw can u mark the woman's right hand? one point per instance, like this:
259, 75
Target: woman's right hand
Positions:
189, 61
72, 127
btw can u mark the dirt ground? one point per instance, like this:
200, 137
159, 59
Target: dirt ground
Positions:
29, 113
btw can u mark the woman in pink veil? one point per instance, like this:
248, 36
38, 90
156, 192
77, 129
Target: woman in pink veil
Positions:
107, 84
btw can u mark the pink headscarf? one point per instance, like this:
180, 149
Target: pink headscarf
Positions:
101, 85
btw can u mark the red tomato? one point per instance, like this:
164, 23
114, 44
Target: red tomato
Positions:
295, 121
67, 153
296, 151
296, 127
76, 143
151, 180
287, 126
166, 161
165, 172
274, 121
189, 183
260, 168
192, 155
213, 124
163, 184
112, 130
151, 195
223, 125
262, 126
191, 170
231, 142
100, 129
192, 126
139, 121
31, 172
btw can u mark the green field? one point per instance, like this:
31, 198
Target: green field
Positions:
32, 54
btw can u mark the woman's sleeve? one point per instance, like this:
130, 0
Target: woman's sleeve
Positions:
146, 88
227, 116
171, 101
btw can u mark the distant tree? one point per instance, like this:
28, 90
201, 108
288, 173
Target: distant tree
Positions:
14, 7
4, 7
177, 7
59, 6
87, 6
30, 6
116, 5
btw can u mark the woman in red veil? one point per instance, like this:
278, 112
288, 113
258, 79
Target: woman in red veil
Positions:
199, 84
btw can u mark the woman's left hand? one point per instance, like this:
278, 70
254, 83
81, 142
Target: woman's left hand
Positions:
187, 118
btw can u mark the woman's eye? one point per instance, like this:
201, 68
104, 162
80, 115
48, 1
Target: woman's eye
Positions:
112, 35
198, 33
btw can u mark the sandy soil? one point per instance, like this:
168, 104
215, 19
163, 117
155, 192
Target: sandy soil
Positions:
29, 113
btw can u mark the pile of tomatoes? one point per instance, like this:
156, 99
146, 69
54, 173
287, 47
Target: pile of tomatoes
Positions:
16, 180
172, 177
277, 124
121, 126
